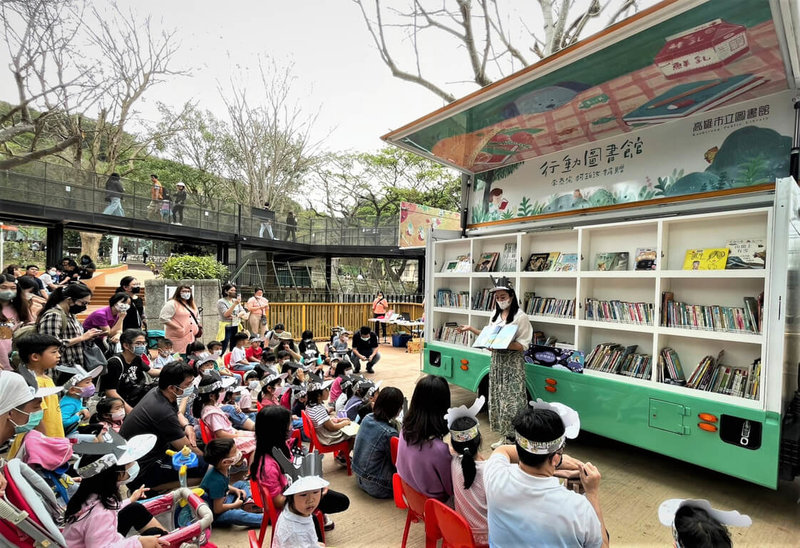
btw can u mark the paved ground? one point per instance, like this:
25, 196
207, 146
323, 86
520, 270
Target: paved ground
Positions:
634, 484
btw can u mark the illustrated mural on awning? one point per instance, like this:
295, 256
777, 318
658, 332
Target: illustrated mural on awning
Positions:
715, 54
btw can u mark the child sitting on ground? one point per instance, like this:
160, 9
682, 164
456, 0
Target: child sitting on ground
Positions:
372, 454
110, 412
165, 354
239, 361
295, 526
232, 504
270, 388
695, 524
360, 405
215, 349
268, 364
467, 468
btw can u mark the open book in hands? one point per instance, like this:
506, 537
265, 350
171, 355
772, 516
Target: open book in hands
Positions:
496, 337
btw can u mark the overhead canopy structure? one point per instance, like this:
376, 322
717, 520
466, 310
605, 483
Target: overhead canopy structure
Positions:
678, 58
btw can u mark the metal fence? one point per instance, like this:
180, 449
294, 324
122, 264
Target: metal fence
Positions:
57, 186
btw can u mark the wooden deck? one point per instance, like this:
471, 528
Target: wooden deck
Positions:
634, 484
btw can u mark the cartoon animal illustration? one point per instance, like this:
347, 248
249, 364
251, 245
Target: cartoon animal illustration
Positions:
710, 154
544, 99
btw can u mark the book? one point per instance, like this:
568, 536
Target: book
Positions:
551, 260
611, 261
496, 337
711, 317
537, 262
450, 266
685, 99
645, 258
464, 263
566, 262
746, 254
448, 333
557, 358
706, 259
508, 258
548, 306
619, 311
487, 262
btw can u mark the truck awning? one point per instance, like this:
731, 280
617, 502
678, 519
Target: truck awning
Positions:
677, 58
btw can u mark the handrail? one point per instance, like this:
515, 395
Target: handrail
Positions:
53, 185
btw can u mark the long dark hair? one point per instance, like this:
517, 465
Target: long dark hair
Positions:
19, 303
103, 485
272, 423
467, 449
74, 291
429, 404
387, 404
177, 295
512, 310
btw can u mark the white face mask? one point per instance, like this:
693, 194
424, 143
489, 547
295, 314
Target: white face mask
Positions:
217, 352
118, 415
133, 471
186, 296
122, 307
253, 385
502, 305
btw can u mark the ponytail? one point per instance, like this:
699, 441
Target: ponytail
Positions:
468, 467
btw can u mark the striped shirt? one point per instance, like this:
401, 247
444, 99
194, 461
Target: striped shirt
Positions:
318, 414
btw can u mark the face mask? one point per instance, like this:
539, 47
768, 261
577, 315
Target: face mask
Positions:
29, 296
7, 294
33, 421
186, 296
135, 289
502, 305
84, 261
52, 272
365, 338
88, 391
118, 416
236, 458
123, 307
217, 353
139, 350
253, 385
133, 471
77, 308
164, 353
348, 371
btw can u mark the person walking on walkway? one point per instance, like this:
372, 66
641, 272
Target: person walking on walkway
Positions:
114, 192
179, 202
156, 199
291, 227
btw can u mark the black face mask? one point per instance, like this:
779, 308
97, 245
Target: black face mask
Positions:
135, 289
77, 308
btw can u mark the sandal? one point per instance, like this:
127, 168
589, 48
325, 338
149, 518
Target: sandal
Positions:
252, 507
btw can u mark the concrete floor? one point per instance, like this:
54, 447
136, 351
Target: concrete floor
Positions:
633, 485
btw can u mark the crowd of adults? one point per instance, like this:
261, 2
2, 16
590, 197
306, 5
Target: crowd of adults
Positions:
254, 393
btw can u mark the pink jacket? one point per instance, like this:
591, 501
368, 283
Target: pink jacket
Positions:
97, 528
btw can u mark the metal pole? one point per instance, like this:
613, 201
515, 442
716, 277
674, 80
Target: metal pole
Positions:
2, 245
794, 155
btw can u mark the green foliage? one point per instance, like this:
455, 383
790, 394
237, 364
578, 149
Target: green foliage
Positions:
188, 267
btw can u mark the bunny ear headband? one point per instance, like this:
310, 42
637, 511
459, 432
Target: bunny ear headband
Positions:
668, 509
458, 412
305, 477
572, 426
115, 451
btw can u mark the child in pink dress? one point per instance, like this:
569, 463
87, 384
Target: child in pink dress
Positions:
209, 397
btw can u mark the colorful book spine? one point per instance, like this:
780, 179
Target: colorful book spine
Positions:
710, 317
447, 298
619, 311
450, 334
620, 360
483, 300
549, 306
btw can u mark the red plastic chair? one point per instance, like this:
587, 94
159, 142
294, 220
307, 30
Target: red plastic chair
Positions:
311, 432
205, 432
394, 442
406, 497
443, 522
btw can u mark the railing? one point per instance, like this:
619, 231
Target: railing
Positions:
47, 184
320, 317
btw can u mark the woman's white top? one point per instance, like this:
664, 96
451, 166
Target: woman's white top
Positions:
524, 329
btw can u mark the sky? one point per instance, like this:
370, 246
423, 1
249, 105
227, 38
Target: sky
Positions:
338, 70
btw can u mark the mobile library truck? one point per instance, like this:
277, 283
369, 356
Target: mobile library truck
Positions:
638, 189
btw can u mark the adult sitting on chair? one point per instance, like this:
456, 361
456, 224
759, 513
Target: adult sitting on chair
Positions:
365, 347
157, 414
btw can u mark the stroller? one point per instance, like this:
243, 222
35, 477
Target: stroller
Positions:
29, 514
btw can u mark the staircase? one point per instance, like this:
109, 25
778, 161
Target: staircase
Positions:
100, 296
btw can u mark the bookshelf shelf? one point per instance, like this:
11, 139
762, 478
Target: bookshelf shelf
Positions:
616, 326
486, 313
749, 338
551, 319
714, 274
618, 274
451, 310
550, 275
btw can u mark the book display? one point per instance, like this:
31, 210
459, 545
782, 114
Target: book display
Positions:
679, 309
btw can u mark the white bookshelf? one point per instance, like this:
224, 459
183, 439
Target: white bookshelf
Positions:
671, 237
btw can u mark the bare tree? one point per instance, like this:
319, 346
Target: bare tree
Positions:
50, 80
268, 145
494, 38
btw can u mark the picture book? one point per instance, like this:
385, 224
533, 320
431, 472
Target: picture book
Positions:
450, 266
750, 253
566, 262
552, 259
645, 258
611, 261
464, 263
508, 259
487, 262
557, 358
685, 99
537, 262
496, 337
706, 259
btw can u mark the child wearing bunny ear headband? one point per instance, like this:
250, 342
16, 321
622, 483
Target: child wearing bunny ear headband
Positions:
695, 524
524, 497
467, 467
